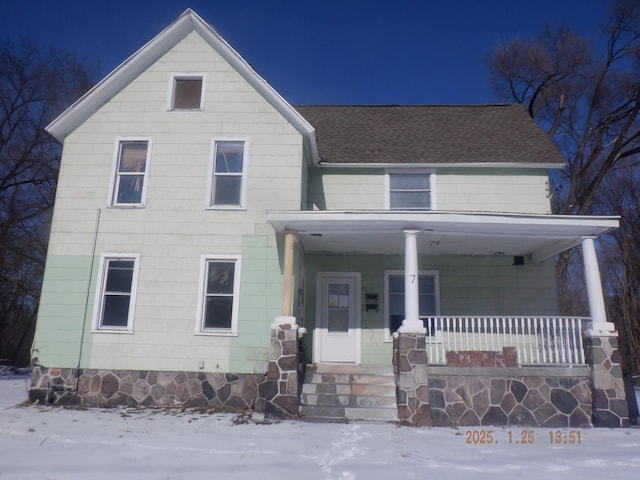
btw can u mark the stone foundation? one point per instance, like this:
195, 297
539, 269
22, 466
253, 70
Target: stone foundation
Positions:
410, 367
610, 408
529, 396
278, 394
110, 388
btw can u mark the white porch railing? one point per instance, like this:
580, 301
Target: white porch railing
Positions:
538, 340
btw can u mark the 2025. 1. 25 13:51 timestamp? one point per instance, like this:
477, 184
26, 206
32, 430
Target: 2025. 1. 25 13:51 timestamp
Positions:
522, 437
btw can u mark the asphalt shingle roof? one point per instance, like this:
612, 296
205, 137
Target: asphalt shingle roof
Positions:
501, 133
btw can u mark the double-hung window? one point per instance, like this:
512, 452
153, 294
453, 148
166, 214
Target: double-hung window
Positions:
186, 91
116, 292
227, 173
131, 171
218, 296
428, 297
410, 190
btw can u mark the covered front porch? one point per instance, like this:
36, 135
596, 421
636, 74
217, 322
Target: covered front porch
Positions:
470, 281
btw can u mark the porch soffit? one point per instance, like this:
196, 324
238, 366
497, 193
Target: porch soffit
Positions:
441, 233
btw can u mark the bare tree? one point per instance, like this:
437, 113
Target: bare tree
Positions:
586, 96
36, 83
587, 99
620, 253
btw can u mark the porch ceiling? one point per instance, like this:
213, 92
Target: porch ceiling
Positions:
445, 233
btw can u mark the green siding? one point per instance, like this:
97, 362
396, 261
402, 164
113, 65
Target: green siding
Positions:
61, 311
469, 285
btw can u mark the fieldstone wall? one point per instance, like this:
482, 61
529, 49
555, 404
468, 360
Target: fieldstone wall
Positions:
412, 391
510, 396
610, 408
278, 394
109, 388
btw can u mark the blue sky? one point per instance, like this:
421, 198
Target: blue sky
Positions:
319, 52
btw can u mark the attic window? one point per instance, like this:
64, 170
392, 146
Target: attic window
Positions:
187, 92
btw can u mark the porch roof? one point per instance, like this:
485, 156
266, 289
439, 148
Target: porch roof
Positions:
441, 232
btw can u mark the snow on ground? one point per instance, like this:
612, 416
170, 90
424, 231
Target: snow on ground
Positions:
50, 443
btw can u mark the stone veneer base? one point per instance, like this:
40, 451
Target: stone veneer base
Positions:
533, 397
109, 388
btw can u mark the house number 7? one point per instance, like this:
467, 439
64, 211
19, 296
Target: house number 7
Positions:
413, 278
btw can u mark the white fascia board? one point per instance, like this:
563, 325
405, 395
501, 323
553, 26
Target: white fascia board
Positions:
444, 165
488, 222
142, 59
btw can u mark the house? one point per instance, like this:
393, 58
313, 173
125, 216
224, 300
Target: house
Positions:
213, 245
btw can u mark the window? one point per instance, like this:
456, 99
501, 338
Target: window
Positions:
116, 292
131, 167
410, 190
187, 92
219, 288
394, 305
229, 164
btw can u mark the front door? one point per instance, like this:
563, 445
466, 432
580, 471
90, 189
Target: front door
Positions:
338, 332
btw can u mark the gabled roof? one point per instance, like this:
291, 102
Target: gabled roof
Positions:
137, 63
492, 135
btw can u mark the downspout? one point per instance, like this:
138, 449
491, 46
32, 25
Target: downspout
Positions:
86, 300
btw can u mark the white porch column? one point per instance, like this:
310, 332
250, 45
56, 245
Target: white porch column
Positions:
411, 322
600, 325
287, 284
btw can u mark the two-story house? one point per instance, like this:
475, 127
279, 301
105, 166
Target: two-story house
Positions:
203, 227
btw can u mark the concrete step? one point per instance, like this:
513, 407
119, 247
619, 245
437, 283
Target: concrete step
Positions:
318, 413
346, 392
378, 390
353, 401
350, 368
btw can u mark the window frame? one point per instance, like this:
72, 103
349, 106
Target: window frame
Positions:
211, 184
410, 171
387, 273
98, 304
112, 200
202, 295
186, 76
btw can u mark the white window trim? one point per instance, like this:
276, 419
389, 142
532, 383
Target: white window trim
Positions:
112, 200
99, 294
202, 283
425, 171
211, 184
387, 273
185, 75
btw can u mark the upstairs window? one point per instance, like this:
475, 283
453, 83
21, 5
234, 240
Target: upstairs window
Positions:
130, 176
219, 295
227, 173
116, 293
187, 92
410, 190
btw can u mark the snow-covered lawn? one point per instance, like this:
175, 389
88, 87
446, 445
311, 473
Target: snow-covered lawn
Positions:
57, 443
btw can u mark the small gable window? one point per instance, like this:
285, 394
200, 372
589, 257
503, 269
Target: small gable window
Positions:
187, 92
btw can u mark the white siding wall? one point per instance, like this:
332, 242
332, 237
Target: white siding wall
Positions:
174, 229
513, 190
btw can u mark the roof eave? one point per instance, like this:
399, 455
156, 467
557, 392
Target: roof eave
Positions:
541, 165
137, 63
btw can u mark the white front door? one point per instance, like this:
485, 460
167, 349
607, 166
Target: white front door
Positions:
338, 321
